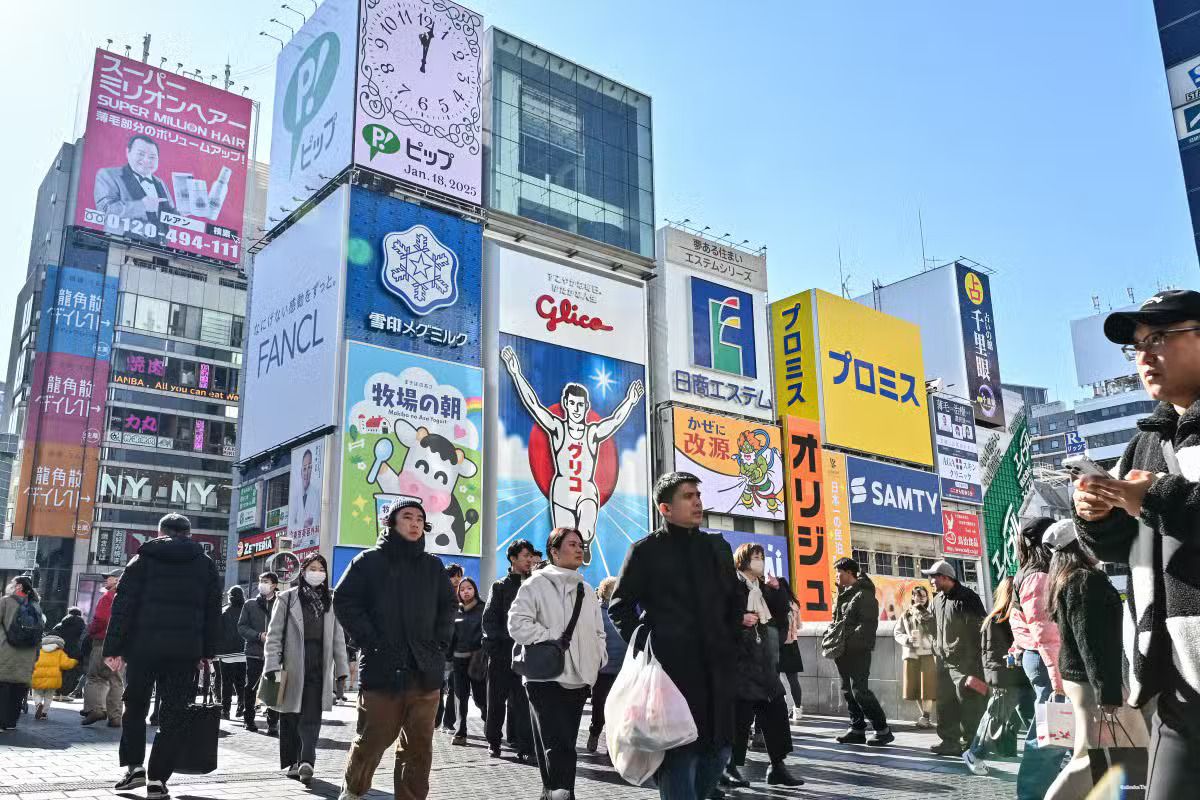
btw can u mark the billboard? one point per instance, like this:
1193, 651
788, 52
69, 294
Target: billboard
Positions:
312, 126
249, 505
794, 342
774, 549
573, 445
419, 116
1096, 358
889, 496
811, 562
957, 450
961, 535
413, 429
722, 328
1003, 500
713, 259
414, 279
739, 462
295, 297
305, 490
164, 160
979, 345
872, 381
895, 594
837, 509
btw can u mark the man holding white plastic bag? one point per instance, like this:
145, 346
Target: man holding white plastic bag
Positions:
678, 584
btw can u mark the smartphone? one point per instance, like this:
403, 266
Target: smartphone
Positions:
1081, 466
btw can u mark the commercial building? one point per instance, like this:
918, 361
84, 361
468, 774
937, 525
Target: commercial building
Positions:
1050, 427
1179, 37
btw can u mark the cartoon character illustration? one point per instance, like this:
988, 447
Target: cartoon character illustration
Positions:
575, 443
430, 473
756, 462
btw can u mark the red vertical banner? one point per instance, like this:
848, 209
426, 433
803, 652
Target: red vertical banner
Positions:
806, 515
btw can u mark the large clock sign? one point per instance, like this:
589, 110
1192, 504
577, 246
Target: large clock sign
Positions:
419, 104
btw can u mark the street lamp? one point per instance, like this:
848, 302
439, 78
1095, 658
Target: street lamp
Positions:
284, 25
269, 36
294, 11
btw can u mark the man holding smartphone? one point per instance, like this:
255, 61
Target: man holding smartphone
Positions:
1149, 518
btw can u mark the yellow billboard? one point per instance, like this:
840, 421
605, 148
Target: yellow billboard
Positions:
794, 348
872, 380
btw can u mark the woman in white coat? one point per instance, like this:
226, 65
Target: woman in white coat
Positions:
306, 642
541, 612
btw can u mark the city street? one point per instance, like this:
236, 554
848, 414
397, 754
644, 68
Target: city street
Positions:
60, 759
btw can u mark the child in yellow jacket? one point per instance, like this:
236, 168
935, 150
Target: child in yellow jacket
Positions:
48, 672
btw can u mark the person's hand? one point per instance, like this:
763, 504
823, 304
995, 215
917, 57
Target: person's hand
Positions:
262, 637
203, 664
273, 674
115, 663
749, 619
1125, 494
1089, 506
772, 581
1109, 711
151, 204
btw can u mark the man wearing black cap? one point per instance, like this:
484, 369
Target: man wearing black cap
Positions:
396, 605
1148, 516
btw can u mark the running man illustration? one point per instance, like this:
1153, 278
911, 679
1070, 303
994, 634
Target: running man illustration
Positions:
575, 442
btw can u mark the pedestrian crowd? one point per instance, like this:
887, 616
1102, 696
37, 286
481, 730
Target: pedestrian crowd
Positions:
421, 643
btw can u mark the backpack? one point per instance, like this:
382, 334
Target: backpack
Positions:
26, 629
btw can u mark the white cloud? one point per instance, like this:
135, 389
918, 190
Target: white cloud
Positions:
512, 455
634, 477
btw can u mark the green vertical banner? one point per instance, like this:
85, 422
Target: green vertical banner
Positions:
1003, 499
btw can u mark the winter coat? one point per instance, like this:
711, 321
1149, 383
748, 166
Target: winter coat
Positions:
915, 631
468, 630
16, 663
253, 620
231, 638
613, 643
859, 607
48, 671
1088, 613
995, 641
959, 615
543, 608
1162, 549
680, 583
168, 605
98, 627
288, 611
73, 631
758, 650
1033, 627
495, 615
397, 606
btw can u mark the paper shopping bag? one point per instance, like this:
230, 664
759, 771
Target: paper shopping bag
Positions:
1055, 724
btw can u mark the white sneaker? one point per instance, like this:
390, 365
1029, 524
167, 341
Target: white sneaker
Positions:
924, 722
974, 764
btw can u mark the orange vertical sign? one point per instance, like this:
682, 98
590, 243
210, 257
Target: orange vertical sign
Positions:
806, 515
837, 509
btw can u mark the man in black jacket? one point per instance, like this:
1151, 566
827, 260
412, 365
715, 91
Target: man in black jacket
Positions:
961, 691
395, 604
1148, 517
679, 584
504, 689
252, 625
166, 620
857, 610
73, 631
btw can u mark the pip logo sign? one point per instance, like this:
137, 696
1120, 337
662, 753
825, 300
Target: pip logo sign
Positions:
723, 329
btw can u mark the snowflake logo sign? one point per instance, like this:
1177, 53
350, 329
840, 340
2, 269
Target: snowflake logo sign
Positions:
420, 270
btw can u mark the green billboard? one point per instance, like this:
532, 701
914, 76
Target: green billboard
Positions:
1002, 501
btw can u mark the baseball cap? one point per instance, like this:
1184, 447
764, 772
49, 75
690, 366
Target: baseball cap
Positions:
1060, 534
1174, 305
112, 573
940, 568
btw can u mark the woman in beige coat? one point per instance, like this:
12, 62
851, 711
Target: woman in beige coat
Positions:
16, 663
305, 642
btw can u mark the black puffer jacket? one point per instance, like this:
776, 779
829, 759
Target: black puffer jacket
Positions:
959, 614
468, 630
168, 605
1088, 613
996, 638
858, 605
495, 616
231, 639
397, 606
73, 631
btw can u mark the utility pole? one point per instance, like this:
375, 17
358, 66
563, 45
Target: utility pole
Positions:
145, 48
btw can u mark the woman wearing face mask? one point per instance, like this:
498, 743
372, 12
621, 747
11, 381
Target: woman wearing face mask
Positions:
466, 644
305, 642
915, 631
759, 691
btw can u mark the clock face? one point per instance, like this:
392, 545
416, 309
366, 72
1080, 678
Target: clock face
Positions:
419, 67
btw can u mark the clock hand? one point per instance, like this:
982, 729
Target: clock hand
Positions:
425, 38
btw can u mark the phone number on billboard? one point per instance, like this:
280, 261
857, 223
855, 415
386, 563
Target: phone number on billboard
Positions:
191, 241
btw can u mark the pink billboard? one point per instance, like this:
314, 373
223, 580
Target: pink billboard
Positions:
164, 160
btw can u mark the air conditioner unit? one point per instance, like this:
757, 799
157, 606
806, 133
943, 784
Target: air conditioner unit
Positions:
283, 544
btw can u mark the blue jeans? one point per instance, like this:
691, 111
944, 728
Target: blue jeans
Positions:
1039, 766
691, 772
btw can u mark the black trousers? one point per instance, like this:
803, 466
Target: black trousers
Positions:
176, 682
298, 733
254, 668
604, 684
854, 668
506, 694
446, 713
772, 718
1173, 769
232, 683
12, 697
556, 714
464, 690
959, 709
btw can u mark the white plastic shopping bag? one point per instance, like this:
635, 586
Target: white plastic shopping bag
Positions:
645, 716
1055, 723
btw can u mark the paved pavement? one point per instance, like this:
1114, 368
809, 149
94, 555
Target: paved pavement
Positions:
59, 759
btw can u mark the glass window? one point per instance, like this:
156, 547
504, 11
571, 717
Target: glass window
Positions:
185, 321
277, 491
152, 314
862, 557
216, 327
906, 567
126, 308
883, 564
743, 524
926, 563
1053, 426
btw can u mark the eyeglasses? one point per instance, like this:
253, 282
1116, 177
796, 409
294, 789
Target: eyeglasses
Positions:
1154, 342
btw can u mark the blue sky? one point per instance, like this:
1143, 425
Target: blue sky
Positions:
1033, 137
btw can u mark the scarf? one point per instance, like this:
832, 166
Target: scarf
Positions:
754, 601
314, 596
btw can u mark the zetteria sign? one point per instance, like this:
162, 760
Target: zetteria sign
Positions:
257, 545
894, 497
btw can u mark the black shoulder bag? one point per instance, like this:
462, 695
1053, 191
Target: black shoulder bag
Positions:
545, 661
